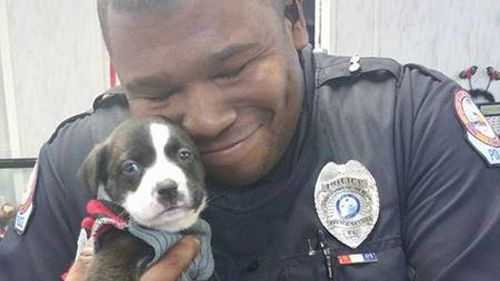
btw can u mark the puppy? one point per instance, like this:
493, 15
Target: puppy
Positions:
152, 170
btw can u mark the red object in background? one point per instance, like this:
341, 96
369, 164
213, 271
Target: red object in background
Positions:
468, 72
112, 75
493, 73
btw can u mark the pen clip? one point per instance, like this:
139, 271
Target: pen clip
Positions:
326, 253
311, 250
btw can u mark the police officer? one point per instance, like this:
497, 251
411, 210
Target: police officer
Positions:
320, 167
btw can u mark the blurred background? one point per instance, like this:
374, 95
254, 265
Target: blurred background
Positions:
53, 62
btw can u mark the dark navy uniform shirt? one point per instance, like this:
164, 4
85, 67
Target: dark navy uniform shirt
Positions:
439, 217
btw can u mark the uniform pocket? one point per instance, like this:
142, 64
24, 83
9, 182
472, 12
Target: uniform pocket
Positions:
390, 265
304, 268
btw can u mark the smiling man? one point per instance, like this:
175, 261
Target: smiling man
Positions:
320, 167
234, 86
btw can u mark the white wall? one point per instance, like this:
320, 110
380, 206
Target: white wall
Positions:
52, 65
4, 145
448, 35
57, 63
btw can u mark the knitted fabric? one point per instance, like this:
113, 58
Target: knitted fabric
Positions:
104, 215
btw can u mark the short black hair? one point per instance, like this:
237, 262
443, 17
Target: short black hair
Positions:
157, 6
131, 6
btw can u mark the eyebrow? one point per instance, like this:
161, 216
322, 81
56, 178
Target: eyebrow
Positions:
155, 81
161, 80
231, 51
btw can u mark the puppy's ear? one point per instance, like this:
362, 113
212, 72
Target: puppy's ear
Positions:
93, 170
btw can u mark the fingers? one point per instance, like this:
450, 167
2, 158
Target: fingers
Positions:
82, 262
86, 255
175, 261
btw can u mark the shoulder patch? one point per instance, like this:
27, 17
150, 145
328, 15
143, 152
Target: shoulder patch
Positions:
26, 207
479, 132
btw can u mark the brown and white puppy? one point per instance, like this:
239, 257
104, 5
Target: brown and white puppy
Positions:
153, 170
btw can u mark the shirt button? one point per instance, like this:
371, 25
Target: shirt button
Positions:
253, 266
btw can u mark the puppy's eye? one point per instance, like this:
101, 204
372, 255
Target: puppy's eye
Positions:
185, 154
130, 167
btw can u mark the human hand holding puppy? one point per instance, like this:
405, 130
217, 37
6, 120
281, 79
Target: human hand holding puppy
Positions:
168, 268
175, 261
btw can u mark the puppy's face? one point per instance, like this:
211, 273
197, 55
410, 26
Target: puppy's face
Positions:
152, 169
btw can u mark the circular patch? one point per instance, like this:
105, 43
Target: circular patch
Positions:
473, 120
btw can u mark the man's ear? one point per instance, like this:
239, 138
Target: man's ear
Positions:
294, 11
93, 170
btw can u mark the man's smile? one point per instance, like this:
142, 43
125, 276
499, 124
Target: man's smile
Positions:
230, 152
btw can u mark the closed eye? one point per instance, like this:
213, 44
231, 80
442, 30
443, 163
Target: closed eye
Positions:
230, 75
158, 97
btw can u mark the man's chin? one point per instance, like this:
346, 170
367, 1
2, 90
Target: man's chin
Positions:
244, 171
229, 177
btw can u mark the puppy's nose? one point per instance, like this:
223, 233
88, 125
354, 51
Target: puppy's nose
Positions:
166, 191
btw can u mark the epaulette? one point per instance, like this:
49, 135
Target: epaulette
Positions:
354, 68
114, 96
436, 75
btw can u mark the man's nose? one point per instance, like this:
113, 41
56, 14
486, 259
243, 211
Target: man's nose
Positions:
207, 111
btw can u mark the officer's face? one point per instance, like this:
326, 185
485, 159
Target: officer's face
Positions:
227, 71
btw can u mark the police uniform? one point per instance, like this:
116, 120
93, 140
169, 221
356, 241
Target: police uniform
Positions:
431, 212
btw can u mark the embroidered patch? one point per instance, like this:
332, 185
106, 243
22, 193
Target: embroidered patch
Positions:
26, 206
479, 132
347, 201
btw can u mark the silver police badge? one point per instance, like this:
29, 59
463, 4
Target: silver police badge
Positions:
347, 201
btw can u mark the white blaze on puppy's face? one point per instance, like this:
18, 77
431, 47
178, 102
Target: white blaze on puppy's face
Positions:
144, 204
